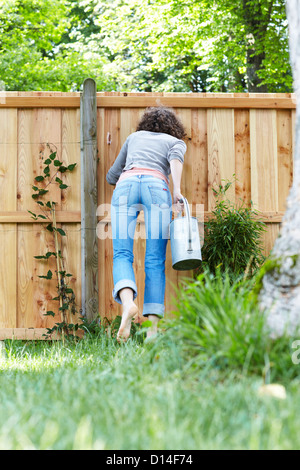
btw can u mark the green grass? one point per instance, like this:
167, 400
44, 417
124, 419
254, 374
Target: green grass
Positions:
218, 319
98, 395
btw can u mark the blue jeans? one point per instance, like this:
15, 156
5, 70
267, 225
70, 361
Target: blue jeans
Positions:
152, 195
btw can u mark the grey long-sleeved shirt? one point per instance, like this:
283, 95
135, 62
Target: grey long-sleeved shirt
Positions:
144, 149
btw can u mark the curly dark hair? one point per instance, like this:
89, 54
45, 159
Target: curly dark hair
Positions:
161, 119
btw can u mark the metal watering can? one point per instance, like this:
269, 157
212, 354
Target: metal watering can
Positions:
185, 241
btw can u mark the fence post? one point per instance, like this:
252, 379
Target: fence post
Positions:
89, 242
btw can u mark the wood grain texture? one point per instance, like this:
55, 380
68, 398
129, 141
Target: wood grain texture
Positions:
26, 217
8, 232
89, 199
198, 157
264, 168
112, 146
36, 129
8, 276
284, 155
71, 203
242, 157
143, 100
221, 152
264, 160
24, 333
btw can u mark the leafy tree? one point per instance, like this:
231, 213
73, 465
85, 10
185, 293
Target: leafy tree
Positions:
145, 45
38, 51
198, 45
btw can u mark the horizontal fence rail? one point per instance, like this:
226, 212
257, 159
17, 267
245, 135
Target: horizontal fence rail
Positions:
127, 100
250, 136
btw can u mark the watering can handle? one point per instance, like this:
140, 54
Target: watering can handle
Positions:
187, 212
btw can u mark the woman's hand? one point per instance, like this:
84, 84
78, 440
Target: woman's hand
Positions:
177, 196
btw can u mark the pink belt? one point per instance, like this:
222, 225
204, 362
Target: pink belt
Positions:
142, 171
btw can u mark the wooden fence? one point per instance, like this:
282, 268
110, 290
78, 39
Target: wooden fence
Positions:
250, 136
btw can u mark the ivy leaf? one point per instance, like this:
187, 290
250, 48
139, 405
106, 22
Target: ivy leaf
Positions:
35, 188
46, 256
35, 196
49, 275
49, 313
34, 215
39, 178
49, 227
42, 216
63, 169
63, 186
47, 170
72, 166
64, 306
57, 163
58, 180
40, 203
52, 155
43, 191
61, 231
48, 161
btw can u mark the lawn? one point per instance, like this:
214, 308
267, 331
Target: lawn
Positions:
97, 394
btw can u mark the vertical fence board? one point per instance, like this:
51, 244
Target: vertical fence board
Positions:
8, 201
285, 156
25, 276
242, 157
199, 157
113, 145
37, 127
25, 202
264, 167
221, 153
102, 205
71, 201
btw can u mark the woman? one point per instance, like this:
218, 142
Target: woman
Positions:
140, 173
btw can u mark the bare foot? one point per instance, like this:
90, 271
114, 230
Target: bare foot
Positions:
129, 312
152, 330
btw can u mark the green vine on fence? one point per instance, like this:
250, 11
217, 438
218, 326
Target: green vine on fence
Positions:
51, 175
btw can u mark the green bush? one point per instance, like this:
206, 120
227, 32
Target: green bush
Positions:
217, 320
232, 237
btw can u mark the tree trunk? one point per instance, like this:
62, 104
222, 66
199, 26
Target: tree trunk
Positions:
255, 29
280, 293
254, 64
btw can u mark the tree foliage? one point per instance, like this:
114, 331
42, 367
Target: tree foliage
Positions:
145, 45
38, 46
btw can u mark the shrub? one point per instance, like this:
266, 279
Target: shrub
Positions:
232, 237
